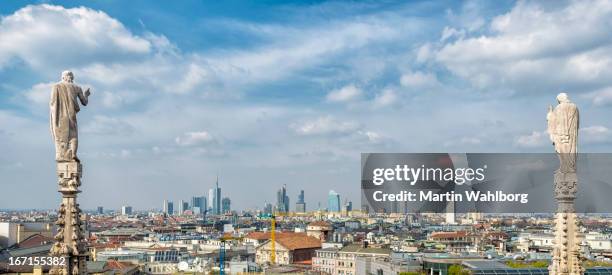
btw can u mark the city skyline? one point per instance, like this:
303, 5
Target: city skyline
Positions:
289, 96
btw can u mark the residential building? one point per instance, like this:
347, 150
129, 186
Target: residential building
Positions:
290, 248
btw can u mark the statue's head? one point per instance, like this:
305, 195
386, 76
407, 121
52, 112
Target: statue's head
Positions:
563, 98
67, 76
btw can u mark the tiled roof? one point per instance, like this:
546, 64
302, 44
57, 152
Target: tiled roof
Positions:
319, 223
289, 240
266, 235
34, 240
356, 248
299, 241
456, 234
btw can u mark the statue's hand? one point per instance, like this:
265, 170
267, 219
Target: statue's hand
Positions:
87, 92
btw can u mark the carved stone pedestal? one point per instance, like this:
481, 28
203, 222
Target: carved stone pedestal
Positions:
566, 258
70, 241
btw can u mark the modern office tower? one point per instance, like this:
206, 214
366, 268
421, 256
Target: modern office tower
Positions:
126, 210
168, 207
282, 200
211, 200
267, 208
214, 198
185, 206
198, 204
333, 201
100, 210
300, 205
181, 207
348, 206
226, 205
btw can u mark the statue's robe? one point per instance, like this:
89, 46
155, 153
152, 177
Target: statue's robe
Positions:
564, 128
64, 108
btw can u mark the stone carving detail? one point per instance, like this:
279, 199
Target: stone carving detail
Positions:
70, 242
563, 123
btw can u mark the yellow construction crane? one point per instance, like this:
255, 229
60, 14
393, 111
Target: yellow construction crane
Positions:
272, 217
273, 239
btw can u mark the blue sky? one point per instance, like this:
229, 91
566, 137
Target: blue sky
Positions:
267, 93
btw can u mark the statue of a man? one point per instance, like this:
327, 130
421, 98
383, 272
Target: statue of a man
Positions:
64, 109
563, 123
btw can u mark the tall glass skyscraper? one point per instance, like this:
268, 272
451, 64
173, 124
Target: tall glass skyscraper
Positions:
214, 199
333, 201
198, 204
282, 200
226, 205
168, 207
300, 205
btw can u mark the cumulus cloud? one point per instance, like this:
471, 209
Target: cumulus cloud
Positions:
47, 35
386, 98
596, 134
106, 126
195, 138
344, 94
532, 48
324, 126
419, 80
39, 93
601, 97
535, 139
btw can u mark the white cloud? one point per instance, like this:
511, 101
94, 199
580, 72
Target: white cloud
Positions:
601, 97
373, 137
52, 36
344, 94
324, 126
386, 98
532, 48
195, 138
535, 139
40, 93
108, 126
419, 80
596, 134
448, 33
111, 100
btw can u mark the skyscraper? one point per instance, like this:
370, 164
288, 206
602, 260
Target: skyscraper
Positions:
300, 205
168, 207
218, 197
211, 200
333, 201
100, 210
348, 206
267, 208
226, 205
126, 210
282, 200
181, 207
198, 204
214, 198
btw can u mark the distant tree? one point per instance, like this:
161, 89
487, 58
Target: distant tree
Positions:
458, 270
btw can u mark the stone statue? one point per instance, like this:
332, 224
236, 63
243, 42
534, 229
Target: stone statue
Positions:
64, 109
563, 123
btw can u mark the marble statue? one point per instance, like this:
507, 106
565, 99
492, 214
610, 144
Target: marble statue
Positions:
64, 107
563, 123
70, 240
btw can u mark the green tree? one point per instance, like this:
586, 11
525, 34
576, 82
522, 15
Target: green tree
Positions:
457, 270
